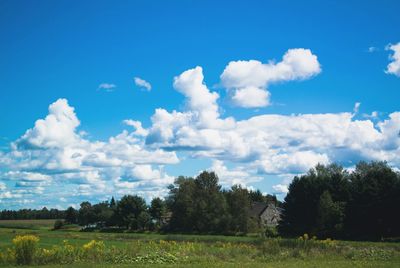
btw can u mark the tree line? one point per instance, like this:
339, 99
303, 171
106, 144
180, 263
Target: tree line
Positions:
193, 205
329, 201
30, 214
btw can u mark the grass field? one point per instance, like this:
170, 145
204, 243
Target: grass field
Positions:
153, 250
27, 224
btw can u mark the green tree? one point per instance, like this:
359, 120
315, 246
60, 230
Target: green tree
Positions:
330, 216
157, 210
300, 209
129, 209
143, 220
103, 212
210, 208
180, 202
238, 200
71, 215
86, 214
374, 211
113, 204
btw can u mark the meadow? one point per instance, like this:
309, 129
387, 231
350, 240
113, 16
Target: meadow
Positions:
71, 248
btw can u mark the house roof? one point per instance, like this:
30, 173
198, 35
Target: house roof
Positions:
257, 208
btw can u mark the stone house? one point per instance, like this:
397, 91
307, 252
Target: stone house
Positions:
266, 214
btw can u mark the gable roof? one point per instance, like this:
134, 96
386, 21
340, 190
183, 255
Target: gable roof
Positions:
257, 208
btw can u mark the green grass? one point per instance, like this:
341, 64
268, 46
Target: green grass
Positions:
27, 224
208, 250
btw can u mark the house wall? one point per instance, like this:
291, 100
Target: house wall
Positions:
270, 216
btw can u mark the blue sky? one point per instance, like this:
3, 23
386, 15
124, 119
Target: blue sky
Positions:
283, 114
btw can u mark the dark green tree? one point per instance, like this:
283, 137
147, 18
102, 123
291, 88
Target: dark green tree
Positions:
157, 210
330, 217
374, 209
180, 202
86, 214
300, 209
210, 208
143, 220
71, 215
238, 200
128, 210
113, 204
103, 213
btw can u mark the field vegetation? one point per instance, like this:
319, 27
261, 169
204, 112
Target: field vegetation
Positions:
46, 247
201, 224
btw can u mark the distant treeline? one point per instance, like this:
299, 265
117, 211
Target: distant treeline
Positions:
329, 201
32, 214
193, 205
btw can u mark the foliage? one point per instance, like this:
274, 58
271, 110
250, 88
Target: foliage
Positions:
271, 232
58, 224
128, 210
330, 202
329, 217
327, 201
238, 200
25, 214
71, 215
157, 210
86, 214
257, 252
200, 206
373, 211
300, 209
25, 247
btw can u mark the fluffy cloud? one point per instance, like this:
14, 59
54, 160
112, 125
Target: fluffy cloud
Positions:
200, 100
140, 131
55, 131
249, 79
249, 97
229, 177
270, 144
54, 155
142, 83
394, 66
280, 189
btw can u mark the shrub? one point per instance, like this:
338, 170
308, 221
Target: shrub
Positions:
94, 250
25, 248
58, 224
271, 232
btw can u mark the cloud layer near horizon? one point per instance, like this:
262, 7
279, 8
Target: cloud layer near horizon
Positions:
55, 156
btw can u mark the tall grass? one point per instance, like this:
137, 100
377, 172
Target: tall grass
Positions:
264, 250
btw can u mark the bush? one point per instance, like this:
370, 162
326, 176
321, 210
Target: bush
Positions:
58, 224
94, 250
25, 248
271, 232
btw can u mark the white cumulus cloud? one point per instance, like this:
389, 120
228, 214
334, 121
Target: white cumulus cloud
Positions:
54, 159
247, 79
